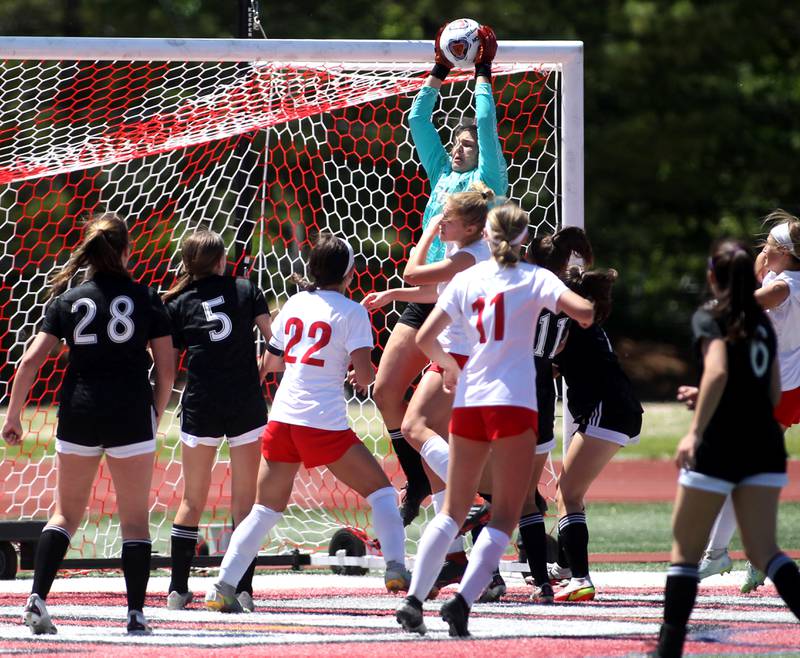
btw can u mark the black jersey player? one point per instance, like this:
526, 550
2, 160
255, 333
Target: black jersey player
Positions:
106, 405
554, 253
607, 415
739, 387
213, 317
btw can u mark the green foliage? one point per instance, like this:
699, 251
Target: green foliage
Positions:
691, 111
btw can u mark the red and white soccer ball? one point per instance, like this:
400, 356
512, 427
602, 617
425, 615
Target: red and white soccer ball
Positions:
459, 42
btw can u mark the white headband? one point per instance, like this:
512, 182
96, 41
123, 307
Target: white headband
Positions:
351, 258
496, 237
780, 234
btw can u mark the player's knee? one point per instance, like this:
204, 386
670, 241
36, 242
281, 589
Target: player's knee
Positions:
412, 429
384, 395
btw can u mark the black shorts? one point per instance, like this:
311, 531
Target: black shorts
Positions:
612, 420
414, 315
124, 428
224, 420
734, 455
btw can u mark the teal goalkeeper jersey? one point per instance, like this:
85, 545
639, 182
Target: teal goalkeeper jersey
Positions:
491, 168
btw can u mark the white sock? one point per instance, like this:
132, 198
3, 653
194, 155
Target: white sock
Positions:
438, 502
245, 542
436, 453
388, 525
431, 552
483, 560
725, 526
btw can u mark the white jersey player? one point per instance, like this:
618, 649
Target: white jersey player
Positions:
497, 303
316, 336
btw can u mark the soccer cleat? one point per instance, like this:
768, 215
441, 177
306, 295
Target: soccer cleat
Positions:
137, 624
753, 578
409, 615
37, 618
670, 642
494, 590
456, 613
543, 594
411, 498
711, 564
396, 577
479, 514
178, 601
578, 589
556, 573
453, 569
222, 598
245, 600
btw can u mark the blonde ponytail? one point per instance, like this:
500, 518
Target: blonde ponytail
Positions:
507, 229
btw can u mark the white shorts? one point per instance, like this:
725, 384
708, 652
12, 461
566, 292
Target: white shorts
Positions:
612, 436
193, 441
130, 450
695, 480
544, 448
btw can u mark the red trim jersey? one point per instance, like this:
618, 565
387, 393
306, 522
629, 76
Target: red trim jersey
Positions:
316, 333
497, 307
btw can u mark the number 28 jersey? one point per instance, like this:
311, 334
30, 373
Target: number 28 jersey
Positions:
498, 308
107, 322
316, 333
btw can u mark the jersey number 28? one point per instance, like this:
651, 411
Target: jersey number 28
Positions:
120, 327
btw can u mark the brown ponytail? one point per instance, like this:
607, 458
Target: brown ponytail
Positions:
554, 251
732, 263
507, 226
200, 253
472, 206
327, 264
105, 239
594, 285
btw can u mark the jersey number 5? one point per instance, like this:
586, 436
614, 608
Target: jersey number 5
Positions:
294, 326
499, 316
225, 330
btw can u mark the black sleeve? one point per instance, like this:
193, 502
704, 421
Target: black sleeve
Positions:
259, 302
52, 319
160, 324
704, 326
174, 312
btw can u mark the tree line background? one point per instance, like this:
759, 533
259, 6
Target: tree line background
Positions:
692, 120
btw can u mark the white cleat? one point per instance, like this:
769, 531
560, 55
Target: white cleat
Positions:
712, 564
557, 573
37, 618
178, 601
753, 579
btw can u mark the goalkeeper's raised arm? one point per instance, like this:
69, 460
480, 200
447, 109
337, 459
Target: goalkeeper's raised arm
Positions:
476, 153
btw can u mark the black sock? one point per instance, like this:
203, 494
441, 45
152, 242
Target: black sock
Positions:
783, 573
246, 583
136, 569
575, 533
534, 539
679, 596
184, 542
411, 463
50, 551
562, 554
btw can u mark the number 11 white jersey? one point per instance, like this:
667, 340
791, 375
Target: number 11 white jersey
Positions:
498, 308
316, 332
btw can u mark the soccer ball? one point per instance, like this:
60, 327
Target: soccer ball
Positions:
459, 42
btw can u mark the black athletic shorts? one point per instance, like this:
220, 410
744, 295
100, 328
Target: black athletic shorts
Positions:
415, 314
612, 420
125, 428
217, 421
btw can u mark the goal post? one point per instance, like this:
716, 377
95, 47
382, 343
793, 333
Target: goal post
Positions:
275, 138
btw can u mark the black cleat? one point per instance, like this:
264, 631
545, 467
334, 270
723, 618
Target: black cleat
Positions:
456, 613
409, 615
670, 642
479, 514
411, 498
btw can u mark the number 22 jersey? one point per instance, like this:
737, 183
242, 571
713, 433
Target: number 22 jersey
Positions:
316, 332
498, 308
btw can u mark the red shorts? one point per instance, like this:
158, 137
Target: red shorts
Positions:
492, 423
283, 442
787, 413
461, 360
